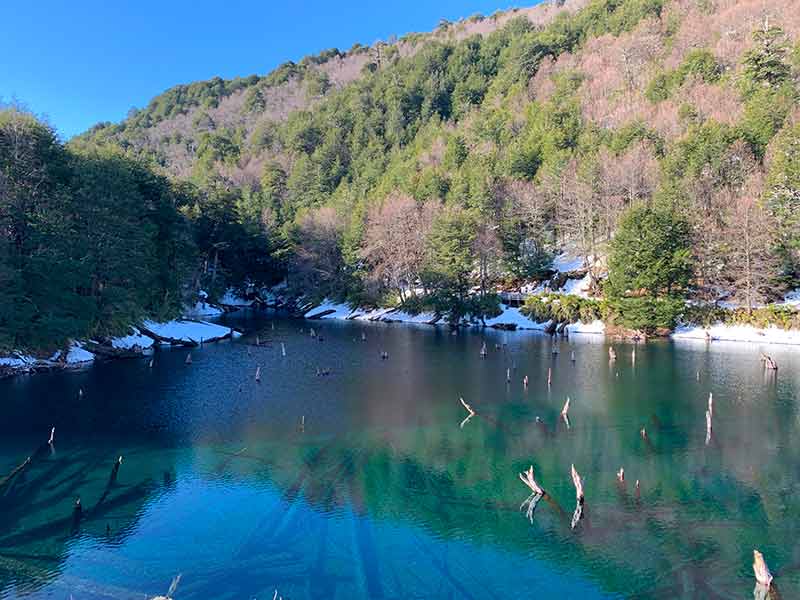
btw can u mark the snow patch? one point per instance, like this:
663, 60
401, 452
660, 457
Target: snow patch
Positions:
566, 262
203, 309
577, 287
188, 331
593, 327
78, 355
17, 361
231, 298
335, 311
400, 316
373, 315
738, 333
129, 342
513, 316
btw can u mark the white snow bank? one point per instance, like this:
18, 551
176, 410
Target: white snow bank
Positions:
203, 309
78, 355
512, 316
231, 298
373, 315
566, 262
400, 316
339, 311
17, 361
593, 327
792, 298
738, 333
129, 342
188, 331
577, 287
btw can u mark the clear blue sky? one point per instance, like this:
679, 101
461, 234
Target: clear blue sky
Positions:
78, 62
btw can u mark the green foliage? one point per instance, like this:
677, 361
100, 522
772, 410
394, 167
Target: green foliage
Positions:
649, 267
698, 64
93, 240
563, 308
766, 64
706, 315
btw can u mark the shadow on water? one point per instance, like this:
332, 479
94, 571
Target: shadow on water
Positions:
364, 484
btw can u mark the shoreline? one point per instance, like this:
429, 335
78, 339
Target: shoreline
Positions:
140, 342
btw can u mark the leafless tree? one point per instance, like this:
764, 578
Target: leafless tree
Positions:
754, 265
318, 263
395, 242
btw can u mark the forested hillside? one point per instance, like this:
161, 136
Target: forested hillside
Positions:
659, 139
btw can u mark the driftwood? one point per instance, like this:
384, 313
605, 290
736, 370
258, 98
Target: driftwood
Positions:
769, 363
565, 412
760, 569
578, 482
537, 493
469, 410
173, 586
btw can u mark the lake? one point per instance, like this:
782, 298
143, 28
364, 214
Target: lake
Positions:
363, 483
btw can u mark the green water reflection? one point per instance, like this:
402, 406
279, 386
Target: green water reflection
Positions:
382, 494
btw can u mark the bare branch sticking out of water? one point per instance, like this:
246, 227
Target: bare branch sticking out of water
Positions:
711, 403
537, 493
188, 360
612, 354
565, 412
549, 376
708, 427
173, 586
760, 569
258, 374
621, 475
283, 349
578, 482
469, 410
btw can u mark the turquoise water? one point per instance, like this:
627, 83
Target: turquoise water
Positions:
362, 484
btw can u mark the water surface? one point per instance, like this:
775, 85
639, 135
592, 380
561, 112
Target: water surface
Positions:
362, 484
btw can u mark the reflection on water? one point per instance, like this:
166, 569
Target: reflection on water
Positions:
382, 493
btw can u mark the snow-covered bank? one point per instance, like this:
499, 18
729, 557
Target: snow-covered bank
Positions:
738, 333
509, 318
139, 342
184, 332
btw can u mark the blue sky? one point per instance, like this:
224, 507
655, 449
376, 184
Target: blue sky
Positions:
82, 61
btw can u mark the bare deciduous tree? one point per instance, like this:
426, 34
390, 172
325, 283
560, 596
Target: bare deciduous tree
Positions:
395, 242
754, 265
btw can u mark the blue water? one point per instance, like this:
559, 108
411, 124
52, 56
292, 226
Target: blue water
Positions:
362, 484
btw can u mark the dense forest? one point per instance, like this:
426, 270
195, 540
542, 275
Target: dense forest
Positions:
657, 139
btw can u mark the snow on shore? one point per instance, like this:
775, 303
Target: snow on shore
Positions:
17, 361
130, 342
400, 316
513, 316
188, 331
203, 309
738, 333
231, 298
329, 310
78, 355
376, 314
566, 263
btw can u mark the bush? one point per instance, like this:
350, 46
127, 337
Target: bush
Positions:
563, 308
